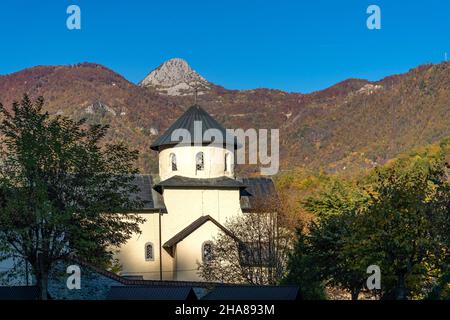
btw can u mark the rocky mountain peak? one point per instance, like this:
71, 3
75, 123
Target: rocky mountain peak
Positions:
175, 77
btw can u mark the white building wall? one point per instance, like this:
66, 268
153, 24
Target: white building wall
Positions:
132, 254
187, 205
189, 252
184, 206
214, 159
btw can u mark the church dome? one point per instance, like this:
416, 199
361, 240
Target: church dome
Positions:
188, 122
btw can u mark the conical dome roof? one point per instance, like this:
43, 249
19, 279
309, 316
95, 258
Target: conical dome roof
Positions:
187, 121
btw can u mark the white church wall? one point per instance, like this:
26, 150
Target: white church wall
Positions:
184, 206
189, 252
132, 254
187, 205
214, 162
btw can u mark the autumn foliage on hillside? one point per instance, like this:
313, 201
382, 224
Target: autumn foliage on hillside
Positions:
394, 218
351, 125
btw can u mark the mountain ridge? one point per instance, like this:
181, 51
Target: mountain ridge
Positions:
344, 127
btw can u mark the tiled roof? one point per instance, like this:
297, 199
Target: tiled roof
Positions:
186, 121
153, 201
243, 292
215, 183
134, 282
252, 189
257, 189
151, 293
19, 293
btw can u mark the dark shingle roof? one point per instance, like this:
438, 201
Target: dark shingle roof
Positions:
186, 121
134, 282
180, 236
151, 293
179, 181
253, 293
152, 200
258, 188
252, 189
19, 293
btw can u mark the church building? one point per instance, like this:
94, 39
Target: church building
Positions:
188, 203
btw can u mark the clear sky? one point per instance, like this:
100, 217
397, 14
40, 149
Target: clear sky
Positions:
293, 45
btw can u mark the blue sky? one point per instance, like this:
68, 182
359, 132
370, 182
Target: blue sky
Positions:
294, 45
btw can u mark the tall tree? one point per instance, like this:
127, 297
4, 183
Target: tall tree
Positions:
63, 191
304, 271
397, 218
406, 225
331, 237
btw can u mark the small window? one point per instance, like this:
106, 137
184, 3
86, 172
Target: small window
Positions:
173, 162
207, 251
149, 252
200, 161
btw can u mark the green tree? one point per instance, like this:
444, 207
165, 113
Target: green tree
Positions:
405, 229
331, 238
63, 191
397, 217
304, 271
441, 289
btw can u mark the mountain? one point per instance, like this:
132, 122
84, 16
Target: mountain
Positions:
351, 125
175, 77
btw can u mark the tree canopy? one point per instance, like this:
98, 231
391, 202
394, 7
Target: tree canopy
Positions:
397, 217
63, 191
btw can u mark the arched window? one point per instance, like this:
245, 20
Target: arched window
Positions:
173, 162
149, 252
199, 161
227, 162
207, 251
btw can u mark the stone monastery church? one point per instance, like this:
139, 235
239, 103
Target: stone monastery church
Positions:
188, 204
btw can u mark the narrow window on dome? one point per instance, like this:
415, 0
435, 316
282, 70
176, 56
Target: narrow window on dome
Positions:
200, 161
173, 162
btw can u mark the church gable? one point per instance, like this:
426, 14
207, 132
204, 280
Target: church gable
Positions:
170, 245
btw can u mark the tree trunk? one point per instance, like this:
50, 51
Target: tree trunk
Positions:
42, 283
42, 278
355, 294
400, 291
